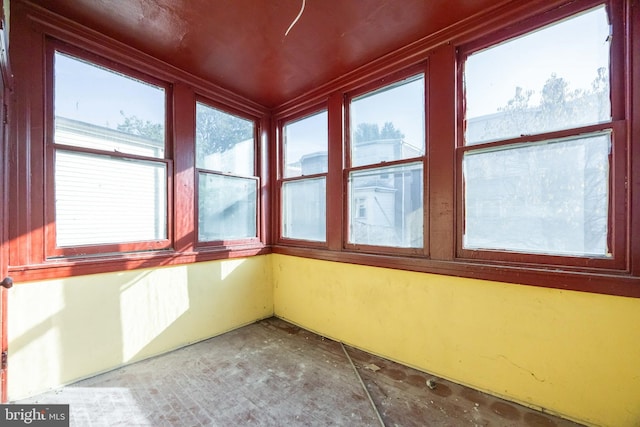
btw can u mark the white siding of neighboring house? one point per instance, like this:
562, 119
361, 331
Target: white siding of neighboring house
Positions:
101, 199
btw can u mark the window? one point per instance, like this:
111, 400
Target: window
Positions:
361, 208
304, 173
513, 161
386, 173
109, 171
227, 186
549, 197
539, 141
110, 175
562, 82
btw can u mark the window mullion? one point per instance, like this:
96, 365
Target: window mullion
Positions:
335, 185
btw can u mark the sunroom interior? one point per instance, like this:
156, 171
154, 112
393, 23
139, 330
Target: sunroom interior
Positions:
450, 185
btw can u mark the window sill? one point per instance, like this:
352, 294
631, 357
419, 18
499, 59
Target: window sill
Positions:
603, 282
607, 282
78, 266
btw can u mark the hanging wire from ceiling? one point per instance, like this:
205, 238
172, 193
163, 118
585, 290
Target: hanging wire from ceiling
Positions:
296, 19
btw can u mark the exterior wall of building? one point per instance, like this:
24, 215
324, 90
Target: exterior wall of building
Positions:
569, 353
64, 330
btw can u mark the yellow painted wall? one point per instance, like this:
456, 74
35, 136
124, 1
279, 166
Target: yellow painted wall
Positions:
63, 330
571, 353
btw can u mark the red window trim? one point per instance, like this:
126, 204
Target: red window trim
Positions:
617, 237
618, 206
53, 251
257, 130
602, 281
84, 265
36, 29
281, 179
27, 248
442, 51
371, 87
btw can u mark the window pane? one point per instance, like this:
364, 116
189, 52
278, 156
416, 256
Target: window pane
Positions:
386, 206
304, 209
101, 200
555, 78
546, 198
226, 207
101, 109
224, 142
305, 146
388, 124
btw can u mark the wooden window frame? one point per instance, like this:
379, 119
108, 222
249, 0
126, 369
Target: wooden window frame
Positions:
442, 53
617, 232
30, 194
278, 198
53, 251
229, 243
27, 172
396, 78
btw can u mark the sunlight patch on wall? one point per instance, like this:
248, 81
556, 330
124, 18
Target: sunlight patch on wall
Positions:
36, 330
228, 267
150, 304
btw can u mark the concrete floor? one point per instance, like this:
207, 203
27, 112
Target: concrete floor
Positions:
273, 373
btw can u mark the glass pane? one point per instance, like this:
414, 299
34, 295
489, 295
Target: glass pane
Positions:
102, 199
101, 109
554, 78
224, 142
548, 198
305, 146
385, 206
388, 124
304, 209
226, 207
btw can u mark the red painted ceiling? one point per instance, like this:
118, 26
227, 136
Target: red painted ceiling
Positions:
241, 44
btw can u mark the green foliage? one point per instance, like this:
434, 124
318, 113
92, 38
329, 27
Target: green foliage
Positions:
390, 132
558, 108
217, 131
135, 126
371, 132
